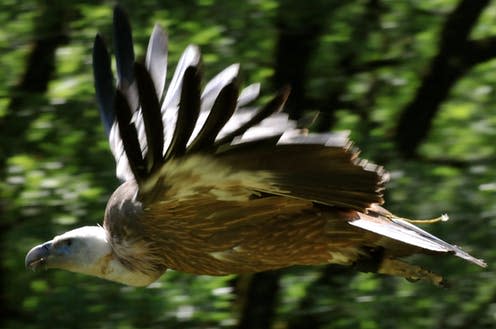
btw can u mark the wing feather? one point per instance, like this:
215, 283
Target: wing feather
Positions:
330, 175
222, 110
104, 83
129, 137
274, 105
152, 120
190, 57
156, 59
189, 109
124, 50
249, 94
214, 86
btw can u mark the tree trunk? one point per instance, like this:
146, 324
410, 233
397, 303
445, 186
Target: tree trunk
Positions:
259, 301
300, 26
457, 54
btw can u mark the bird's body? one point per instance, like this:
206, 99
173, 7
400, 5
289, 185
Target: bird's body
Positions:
271, 232
213, 187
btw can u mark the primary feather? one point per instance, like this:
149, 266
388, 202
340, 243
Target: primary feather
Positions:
213, 186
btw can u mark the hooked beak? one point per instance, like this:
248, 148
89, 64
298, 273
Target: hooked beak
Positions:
37, 257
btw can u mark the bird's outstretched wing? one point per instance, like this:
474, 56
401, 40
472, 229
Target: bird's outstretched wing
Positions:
183, 137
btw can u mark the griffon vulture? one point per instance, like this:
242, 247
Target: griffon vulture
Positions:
214, 186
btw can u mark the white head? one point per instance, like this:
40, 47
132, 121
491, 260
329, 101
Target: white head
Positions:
84, 250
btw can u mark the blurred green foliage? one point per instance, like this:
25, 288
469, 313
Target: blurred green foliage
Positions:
58, 172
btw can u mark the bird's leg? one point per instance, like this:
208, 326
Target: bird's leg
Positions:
410, 272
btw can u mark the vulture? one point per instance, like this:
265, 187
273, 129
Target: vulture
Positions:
212, 185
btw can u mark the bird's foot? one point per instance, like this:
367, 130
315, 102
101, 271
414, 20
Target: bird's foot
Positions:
396, 267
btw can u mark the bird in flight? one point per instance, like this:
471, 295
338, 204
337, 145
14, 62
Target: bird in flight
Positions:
212, 185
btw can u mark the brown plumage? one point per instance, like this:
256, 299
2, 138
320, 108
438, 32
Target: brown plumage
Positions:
213, 187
